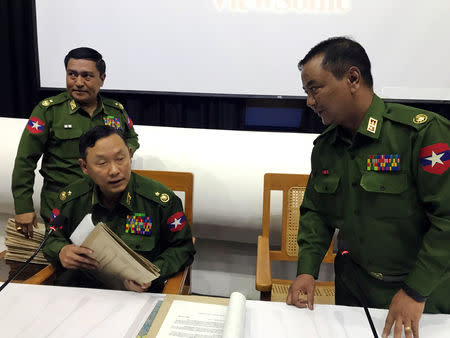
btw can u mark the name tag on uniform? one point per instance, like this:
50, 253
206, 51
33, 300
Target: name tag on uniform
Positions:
383, 162
138, 224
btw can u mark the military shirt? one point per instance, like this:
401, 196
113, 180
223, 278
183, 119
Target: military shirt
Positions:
149, 218
387, 188
54, 129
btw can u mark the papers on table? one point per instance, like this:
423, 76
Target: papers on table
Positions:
194, 319
75, 312
50, 311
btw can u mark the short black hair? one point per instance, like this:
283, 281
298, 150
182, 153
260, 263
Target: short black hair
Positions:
87, 53
339, 54
90, 137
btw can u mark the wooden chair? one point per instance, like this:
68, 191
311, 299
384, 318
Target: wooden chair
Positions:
293, 188
180, 283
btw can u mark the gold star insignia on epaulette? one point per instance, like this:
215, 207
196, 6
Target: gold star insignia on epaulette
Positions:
62, 195
119, 105
73, 105
372, 125
128, 199
69, 193
157, 193
164, 198
420, 118
45, 103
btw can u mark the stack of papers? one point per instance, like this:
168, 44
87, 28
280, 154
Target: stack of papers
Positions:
21, 248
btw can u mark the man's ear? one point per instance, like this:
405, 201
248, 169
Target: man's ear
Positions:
130, 152
353, 78
83, 165
103, 77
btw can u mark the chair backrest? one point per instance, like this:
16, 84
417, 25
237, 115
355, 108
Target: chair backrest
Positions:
293, 187
176, 181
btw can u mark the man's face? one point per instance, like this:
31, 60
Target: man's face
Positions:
108, 163
329, 97
83, 80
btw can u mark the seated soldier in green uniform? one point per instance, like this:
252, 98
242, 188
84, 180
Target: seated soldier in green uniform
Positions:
113, 195
53, 130
379, 174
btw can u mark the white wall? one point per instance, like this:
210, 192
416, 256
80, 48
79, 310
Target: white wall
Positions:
228, 168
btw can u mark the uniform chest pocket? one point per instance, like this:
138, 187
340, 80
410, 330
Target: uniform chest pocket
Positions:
140, 243
325, 196
385, 195
63, 134
384, 183
327, 184
65, 142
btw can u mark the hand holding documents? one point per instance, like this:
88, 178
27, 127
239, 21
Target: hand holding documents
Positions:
117, 261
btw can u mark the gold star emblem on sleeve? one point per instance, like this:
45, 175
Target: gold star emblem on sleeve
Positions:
420, 118
62, 195
45, 103
164, 198
73, 105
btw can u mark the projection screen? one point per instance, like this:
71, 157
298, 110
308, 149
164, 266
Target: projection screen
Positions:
245, 47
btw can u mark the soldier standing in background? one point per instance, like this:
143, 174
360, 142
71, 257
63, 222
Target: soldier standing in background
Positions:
53, 131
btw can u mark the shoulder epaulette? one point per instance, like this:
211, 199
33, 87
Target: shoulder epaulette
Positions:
411, 116
51, 101
113, 103
75, 190
153, 190
325, 132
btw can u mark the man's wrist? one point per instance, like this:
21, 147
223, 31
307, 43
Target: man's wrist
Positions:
413, 294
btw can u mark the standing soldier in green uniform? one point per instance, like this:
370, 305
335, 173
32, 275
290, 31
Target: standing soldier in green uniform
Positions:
53, 131
144, 213
380, 175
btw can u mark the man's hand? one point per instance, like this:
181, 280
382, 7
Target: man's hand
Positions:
76, 257
303, 285
131, 285
404, 312
25, 223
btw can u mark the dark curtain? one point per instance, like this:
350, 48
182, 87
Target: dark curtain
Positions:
17, 59
186, 111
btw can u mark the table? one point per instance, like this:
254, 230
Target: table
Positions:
9, 267
53, 311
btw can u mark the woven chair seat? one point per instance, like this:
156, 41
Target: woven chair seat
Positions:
323, 294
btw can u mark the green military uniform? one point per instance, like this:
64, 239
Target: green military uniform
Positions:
387, 189
149, 218
53, 129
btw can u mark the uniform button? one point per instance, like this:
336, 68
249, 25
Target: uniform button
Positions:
354, 184
356, 212
382, 188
